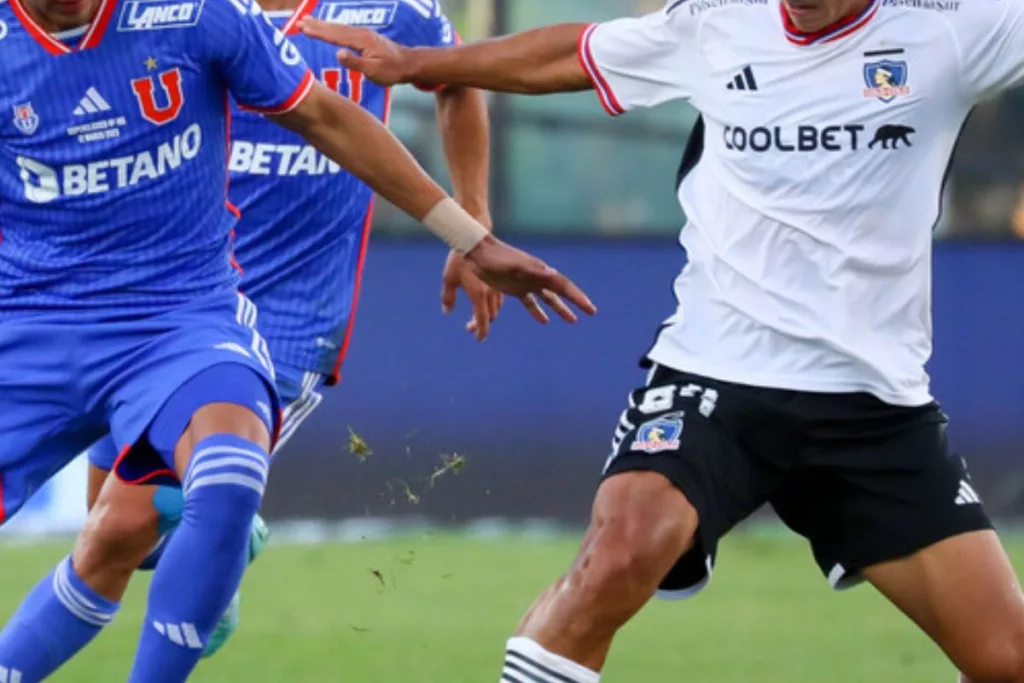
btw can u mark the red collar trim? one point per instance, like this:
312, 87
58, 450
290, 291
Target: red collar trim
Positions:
840, 29
91, 39
303, 10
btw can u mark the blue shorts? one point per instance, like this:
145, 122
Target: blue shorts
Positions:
67, 381
299, 394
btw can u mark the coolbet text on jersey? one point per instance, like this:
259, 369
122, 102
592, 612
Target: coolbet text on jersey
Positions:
305, 222
813, 181
116, 283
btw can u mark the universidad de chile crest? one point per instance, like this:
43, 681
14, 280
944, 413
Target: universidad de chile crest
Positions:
659, 435
886, 80
25, 118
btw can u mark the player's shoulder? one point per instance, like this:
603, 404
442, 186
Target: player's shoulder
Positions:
194, 15
378, 15
958, 14
681, 12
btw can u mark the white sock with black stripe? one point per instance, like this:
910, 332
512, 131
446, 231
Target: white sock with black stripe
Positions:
527, 662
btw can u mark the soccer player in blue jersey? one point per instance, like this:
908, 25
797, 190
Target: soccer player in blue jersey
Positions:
302, 240
119, 310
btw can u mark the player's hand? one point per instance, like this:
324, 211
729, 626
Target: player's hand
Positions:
382, 60
525, 277
486, 301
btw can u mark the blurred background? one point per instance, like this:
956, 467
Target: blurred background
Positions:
430, 427
447, 468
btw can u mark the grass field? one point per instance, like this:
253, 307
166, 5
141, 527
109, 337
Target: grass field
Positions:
437, 609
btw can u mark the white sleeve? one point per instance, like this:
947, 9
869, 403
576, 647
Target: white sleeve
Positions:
990, 36
642, 62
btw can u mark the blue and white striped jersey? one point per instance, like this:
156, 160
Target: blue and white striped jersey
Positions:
305, 222
114, 165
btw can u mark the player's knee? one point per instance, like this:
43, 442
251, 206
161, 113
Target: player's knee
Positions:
998, 660
641, 526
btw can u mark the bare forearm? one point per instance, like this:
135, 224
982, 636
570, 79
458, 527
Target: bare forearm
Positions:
534, 62
465, 133
363, 146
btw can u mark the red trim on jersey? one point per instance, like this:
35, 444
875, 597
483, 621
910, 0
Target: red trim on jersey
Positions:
363, 247
840, 29
3, 510
589, 64
99, 25
336, 373
232, 209
304, 9
43, 37
276, 436
92, 38
301, 92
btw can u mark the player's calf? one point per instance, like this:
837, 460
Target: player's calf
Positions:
57, 619
641, 525
216, 432
201, 568
122, 529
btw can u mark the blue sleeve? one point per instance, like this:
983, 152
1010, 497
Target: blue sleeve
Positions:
422, 23
262, 69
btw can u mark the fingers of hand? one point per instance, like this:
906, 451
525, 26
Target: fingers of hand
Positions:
564, 287
350, 60
497, 300
533, 307
337, 34
558, 306
482, 319
448, 297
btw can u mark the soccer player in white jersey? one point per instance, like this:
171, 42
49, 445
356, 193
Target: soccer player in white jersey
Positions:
793, 371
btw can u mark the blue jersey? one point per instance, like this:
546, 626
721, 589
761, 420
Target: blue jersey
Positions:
114, 166
305, 222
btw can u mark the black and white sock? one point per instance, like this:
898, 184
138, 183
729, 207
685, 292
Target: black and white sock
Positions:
527, 662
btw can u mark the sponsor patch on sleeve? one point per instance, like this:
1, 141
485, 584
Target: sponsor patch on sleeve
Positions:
373, 14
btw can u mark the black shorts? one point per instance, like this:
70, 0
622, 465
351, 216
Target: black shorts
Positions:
862, 480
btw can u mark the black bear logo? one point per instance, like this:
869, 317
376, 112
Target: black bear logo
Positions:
890, 136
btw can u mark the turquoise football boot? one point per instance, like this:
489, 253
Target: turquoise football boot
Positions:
228, 623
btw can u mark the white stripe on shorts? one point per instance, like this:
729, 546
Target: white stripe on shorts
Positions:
296, 412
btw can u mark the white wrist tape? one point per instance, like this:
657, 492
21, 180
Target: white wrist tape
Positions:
458, 229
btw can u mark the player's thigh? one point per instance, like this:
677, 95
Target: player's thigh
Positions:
300, 396
876, 483
201, 370
963, 592
679, 472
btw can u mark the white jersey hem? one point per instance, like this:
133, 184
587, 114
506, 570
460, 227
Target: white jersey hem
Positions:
682, 363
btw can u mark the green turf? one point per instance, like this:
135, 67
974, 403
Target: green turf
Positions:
437, 609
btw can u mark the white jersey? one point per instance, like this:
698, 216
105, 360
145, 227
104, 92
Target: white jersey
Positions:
816, 178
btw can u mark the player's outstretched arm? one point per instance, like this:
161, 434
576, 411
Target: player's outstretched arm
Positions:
361, 144
464, 125
534, 62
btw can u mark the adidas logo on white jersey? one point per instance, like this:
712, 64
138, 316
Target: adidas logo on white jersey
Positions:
9, 675
92, 103
184, 634
967, 495
743, 81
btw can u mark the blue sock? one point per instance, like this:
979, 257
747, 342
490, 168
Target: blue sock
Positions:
203, 561
58, 618
170, 503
